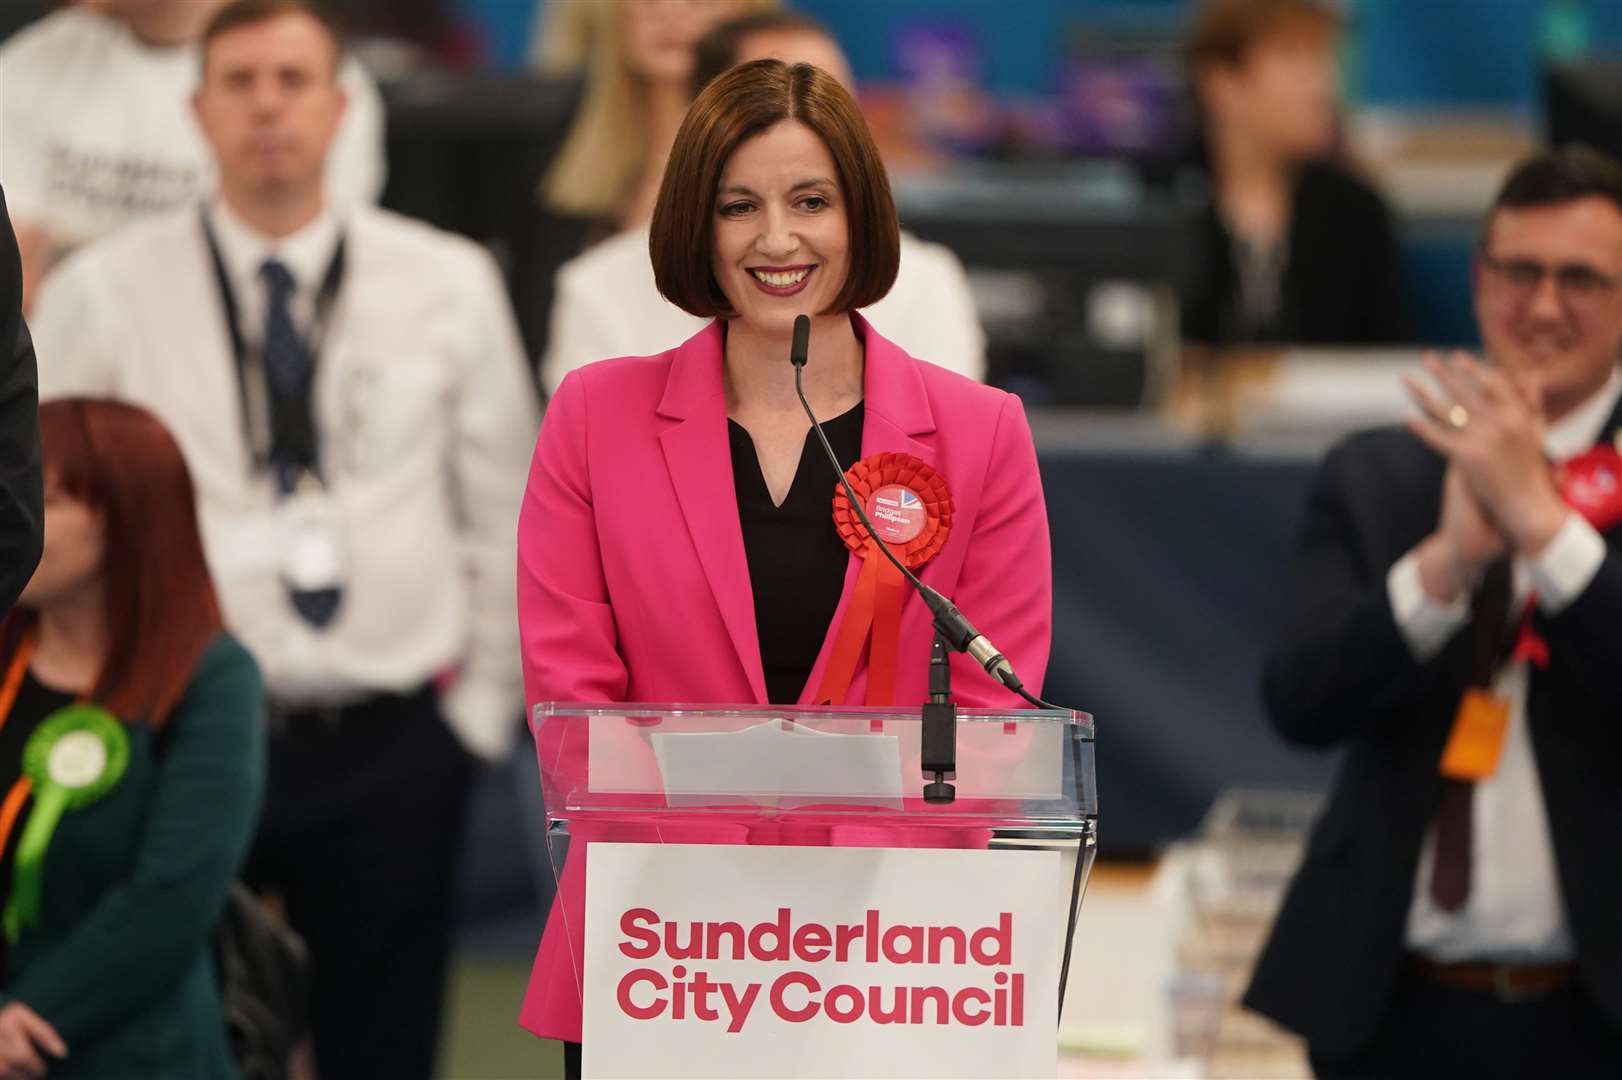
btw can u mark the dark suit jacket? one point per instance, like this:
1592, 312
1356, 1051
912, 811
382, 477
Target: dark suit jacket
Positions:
1342, 674
21, 512
1342, 281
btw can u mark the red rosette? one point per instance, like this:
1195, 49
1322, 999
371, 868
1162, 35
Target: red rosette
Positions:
904, 471
911, 508
1591, 484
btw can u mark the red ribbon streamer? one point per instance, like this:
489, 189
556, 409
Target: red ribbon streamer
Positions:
873, 618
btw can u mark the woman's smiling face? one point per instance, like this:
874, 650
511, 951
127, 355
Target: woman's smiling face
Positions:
781, 241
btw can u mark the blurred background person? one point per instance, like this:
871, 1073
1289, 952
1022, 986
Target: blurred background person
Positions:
775, 204
349, 389
1294, 248
608, 305
117, 640
21, 492
560, 38
96, 130
638, 81
1456, 913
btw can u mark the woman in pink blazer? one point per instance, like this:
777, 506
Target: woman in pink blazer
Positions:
677, 541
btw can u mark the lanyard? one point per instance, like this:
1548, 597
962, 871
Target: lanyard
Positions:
292, 425
11, 807
14, 676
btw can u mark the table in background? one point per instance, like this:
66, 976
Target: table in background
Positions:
1169, 564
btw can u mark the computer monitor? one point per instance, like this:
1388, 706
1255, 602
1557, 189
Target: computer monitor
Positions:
1075, 269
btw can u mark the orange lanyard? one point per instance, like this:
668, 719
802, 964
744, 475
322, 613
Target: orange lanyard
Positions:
11, 807
14, 677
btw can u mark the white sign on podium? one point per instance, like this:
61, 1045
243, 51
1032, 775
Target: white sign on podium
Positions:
745, 961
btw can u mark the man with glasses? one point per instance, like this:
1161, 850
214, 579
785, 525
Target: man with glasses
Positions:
1455, 623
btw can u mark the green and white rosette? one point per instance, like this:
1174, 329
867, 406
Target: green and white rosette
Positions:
75, 757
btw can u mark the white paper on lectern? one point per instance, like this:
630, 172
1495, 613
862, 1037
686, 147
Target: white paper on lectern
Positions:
995, 761
747, 884
781, 764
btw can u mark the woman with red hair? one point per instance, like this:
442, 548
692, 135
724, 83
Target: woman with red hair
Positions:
131, 766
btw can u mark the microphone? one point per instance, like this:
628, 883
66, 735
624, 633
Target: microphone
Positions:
938, 736
797, 350
950, 623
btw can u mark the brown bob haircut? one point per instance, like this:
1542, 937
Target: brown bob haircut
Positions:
737, 106
1225, 31
240, 13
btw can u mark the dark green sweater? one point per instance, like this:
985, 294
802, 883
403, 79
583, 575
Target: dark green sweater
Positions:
121, 964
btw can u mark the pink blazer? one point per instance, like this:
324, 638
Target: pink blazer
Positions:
632, 580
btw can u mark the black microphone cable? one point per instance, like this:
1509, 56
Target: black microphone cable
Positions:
953, 627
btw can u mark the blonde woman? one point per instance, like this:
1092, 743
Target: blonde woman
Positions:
639, 58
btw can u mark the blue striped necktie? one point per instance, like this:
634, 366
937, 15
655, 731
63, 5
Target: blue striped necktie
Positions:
287, 367
287, 364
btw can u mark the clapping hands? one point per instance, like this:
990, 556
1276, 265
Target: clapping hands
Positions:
1499, 494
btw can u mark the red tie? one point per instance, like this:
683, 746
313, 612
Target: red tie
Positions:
1450, 873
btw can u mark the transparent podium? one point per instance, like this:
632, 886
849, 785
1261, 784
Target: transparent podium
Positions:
732, 831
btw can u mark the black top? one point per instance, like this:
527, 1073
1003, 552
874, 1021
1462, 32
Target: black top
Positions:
1339, 278
797, 561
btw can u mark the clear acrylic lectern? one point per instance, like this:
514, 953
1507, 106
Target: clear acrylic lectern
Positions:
808, 776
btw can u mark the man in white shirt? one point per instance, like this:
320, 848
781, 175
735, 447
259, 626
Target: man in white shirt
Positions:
351, 396
1456, 624
96, 130
606, 302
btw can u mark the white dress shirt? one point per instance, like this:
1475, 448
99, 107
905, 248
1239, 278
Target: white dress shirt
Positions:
426, 419
1514, 912
307, 254
97, 131
607, 305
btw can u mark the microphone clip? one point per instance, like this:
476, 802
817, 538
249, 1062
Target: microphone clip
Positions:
938, 741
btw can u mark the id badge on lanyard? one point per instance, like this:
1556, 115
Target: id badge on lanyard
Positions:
312, 539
